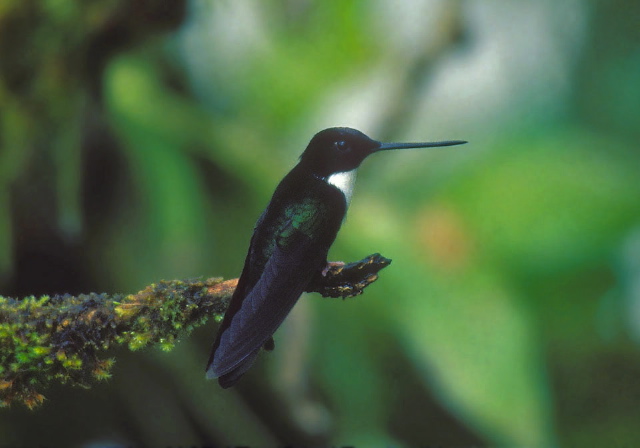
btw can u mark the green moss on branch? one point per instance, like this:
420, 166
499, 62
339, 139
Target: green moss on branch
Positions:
60, 338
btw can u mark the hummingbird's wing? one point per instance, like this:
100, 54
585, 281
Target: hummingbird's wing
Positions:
294, 261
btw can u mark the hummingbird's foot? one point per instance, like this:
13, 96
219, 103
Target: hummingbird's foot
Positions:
331, 264
347, 280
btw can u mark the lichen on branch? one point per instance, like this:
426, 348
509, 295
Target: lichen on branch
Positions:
60, 338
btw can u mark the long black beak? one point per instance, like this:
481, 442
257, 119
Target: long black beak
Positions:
388, 146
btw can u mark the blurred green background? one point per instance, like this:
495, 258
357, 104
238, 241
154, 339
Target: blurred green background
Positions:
141, 139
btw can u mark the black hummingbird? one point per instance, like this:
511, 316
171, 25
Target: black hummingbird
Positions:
290, 243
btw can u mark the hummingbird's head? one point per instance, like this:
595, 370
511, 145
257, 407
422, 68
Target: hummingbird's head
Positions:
338, 150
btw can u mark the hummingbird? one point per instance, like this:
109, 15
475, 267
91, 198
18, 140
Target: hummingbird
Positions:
290, 243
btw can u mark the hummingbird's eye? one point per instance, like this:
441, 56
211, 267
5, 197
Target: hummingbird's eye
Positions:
341, 146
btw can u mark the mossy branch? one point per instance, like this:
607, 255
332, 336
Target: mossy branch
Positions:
59, 338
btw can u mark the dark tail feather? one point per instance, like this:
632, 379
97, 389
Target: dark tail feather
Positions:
230, 378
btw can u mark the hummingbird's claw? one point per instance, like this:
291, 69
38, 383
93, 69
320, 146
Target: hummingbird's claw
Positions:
348, 280
332, 264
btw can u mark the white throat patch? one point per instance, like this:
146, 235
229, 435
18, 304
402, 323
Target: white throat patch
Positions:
344, 182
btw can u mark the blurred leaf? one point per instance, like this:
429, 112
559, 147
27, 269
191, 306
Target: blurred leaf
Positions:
148, 121
476, 346
465, 331
348, 363
550, 204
